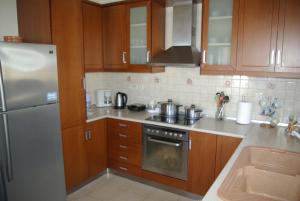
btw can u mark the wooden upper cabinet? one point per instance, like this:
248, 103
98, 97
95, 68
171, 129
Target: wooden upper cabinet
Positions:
288, 44
202, 160
92, 37
114, 38
133, 32
225, 148
219, 36
66, 18
34, 21
258, 22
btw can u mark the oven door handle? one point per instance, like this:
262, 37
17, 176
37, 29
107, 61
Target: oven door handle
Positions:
164, 142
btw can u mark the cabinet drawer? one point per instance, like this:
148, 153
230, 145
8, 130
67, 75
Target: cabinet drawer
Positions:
124, 126
127, 137
125, 168
130, 156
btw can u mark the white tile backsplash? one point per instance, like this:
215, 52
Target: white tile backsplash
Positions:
186, 86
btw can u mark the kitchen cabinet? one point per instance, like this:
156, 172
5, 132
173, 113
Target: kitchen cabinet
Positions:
96, 147
225, 148
34, 21
75, 156
59, 23
288, 42
202, 161
258, 21
85, 152
92, 37
114, 38
219, 36
133, 38
125, 146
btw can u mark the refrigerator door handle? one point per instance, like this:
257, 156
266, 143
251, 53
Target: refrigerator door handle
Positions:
2, 99
9, 167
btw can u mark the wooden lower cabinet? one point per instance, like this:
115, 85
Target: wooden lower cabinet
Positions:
125, 146
75, 156
85, 152
202, 161
225, 148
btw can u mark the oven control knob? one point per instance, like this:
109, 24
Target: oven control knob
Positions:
175, 134
180, 135
166, 133
170, 134
157, 131
148, 130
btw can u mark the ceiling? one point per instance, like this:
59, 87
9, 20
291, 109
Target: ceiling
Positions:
105, 1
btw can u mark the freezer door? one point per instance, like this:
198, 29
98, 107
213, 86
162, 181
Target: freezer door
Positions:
36, 155
2, 162
29, 74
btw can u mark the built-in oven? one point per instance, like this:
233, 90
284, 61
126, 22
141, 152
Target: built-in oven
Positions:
166, 151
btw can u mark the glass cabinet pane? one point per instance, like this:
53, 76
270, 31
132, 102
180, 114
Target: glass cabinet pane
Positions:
138, 35
219, 32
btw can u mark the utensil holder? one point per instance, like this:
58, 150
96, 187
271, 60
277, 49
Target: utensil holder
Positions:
220, 113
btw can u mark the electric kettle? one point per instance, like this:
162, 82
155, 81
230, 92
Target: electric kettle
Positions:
120, 100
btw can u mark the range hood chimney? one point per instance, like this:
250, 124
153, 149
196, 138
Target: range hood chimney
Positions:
185, 36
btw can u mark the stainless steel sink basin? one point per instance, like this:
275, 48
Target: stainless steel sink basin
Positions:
263, 174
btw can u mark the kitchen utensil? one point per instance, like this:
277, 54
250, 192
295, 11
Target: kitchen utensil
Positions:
191, 112
169, 108
221, 100
103, 98
120, 100
136, 107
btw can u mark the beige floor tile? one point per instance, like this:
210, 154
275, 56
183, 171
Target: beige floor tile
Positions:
114, 188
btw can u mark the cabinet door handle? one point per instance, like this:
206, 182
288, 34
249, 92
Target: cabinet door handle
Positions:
123, 168
86, 137
204, 56
190, 144
123, 146
272, 58
123, 158
123, 135
89, 134
148, 56
123, 125
124, 57
278, 57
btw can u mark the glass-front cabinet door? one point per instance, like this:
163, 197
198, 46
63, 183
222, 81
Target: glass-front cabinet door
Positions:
219, 41
139, 31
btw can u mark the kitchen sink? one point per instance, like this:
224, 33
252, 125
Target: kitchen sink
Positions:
263, 174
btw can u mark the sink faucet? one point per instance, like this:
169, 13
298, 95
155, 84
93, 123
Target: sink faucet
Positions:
293, 129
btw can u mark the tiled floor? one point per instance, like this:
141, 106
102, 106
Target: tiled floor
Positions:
115, 188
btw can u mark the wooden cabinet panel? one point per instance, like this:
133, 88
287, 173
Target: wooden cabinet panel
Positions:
257, 35
225, 148
92, 37
114, 38
66, 19
288, 45
201, 170
97, 147
34, 21
75, 156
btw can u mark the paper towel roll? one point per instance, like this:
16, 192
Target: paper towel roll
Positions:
244, 113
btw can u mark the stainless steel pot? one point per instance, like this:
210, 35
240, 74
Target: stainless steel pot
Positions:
191, 112
169, 109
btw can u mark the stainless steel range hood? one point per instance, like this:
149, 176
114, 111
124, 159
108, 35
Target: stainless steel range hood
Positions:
185, 28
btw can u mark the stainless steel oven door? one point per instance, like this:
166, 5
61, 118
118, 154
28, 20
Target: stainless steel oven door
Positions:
165, 156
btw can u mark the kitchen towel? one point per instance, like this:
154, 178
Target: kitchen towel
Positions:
244, 113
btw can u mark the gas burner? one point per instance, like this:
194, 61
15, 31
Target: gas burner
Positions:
178, 120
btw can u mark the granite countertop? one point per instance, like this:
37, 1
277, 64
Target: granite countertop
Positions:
206, 125
253, 135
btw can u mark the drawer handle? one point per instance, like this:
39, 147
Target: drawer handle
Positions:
123, 158
123, 146
123, 135
123, 168
123, 125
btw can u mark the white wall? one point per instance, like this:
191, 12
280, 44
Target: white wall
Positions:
8, 18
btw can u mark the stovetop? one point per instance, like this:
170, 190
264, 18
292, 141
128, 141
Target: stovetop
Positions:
179, 120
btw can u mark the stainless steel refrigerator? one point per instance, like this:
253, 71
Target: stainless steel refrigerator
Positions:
31, 161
